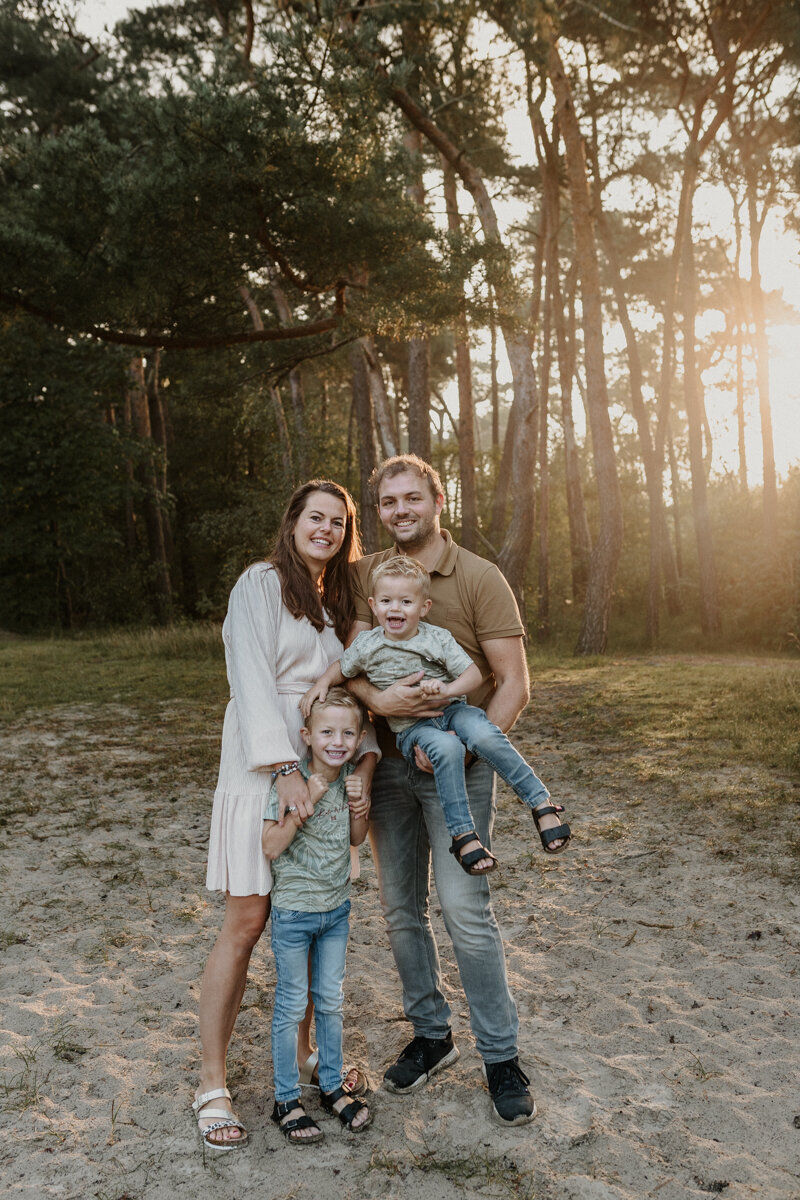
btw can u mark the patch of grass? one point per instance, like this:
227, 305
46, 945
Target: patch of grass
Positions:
126, 667
9, 938
22, 1089
484, 1171
717, 711
65, 1044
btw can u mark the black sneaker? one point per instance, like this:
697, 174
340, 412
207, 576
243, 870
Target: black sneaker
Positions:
512, 1103
421, 1058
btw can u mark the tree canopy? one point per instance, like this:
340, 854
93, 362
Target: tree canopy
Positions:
242, 243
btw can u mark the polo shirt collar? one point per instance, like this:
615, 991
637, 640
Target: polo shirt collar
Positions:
447, 559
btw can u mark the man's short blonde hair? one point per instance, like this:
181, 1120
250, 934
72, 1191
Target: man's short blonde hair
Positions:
338, 697
403, 567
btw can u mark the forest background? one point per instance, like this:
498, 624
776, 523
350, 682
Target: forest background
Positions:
245, 243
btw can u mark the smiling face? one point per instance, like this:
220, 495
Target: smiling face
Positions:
319, 531
333, 734
409, 510
399, 604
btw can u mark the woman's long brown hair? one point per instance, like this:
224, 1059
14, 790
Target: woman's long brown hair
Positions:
298, 590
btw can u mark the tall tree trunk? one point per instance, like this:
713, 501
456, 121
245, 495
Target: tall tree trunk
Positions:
419, 364
367, 457
380, 398
546, 152
608, 543
543, 624
274, 393
580, 539
675, 489
503, 481
495, 391
151, 498
740, 327
709, 604
770, 501
513, 557
466, 411
158, 425
296, 389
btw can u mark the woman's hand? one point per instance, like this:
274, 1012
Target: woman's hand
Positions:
357, 796
293, 798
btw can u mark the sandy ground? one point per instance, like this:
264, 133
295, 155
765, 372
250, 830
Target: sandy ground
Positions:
655, 966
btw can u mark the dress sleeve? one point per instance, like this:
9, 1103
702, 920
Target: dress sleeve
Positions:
253, 633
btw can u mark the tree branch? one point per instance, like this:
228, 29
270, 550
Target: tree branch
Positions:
168, 341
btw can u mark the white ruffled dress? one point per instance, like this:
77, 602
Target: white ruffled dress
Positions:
272, 659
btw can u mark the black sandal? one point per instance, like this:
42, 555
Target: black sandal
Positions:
557, 832
347, 1114
289, 1128
467, 861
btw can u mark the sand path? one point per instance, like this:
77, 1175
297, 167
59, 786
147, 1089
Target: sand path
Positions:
656, 972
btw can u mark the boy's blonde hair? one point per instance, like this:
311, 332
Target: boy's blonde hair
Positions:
339, 697
403, 567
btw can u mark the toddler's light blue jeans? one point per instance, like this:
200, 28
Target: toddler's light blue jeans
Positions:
475, 731
294, 936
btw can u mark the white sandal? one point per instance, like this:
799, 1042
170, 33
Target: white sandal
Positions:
309, 1076
222, 1120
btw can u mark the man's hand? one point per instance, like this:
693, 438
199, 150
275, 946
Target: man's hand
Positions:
425, 764
405, 698
318, 692
357, 798
293, 798
422, 760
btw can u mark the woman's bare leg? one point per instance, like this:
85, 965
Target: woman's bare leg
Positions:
221, 991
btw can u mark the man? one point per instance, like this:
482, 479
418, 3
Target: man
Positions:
471, 599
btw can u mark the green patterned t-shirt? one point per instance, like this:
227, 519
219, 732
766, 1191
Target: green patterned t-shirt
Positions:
384, 660
313, 873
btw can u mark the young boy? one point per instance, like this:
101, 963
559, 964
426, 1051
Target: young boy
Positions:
401, 644
310, 908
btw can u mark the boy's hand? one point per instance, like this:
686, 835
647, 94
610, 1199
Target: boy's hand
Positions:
317, 787
430, 687
318, 691
358, 801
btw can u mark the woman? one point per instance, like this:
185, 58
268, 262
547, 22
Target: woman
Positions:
287, 621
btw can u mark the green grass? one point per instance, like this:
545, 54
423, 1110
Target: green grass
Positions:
718, 711
126, 667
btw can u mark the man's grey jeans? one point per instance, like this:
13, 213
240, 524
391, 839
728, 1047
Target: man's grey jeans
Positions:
407, 830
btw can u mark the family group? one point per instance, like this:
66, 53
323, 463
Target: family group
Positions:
369, 695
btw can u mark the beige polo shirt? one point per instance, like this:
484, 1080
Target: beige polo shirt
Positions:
470, 597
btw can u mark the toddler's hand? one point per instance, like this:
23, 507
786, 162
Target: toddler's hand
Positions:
358, 801
317, 787
318, 692
430, 687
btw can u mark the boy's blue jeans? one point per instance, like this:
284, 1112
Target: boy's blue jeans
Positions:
474, 730
295, 935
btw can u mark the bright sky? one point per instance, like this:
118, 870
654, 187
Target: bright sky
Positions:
780, 270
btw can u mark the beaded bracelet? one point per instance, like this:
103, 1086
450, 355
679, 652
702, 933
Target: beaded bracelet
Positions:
286, 769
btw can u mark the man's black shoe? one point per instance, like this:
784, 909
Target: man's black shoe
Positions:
512, 1103
421, 1058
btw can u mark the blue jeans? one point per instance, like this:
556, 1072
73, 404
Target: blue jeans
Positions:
407, 830
294, 936
474, 730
